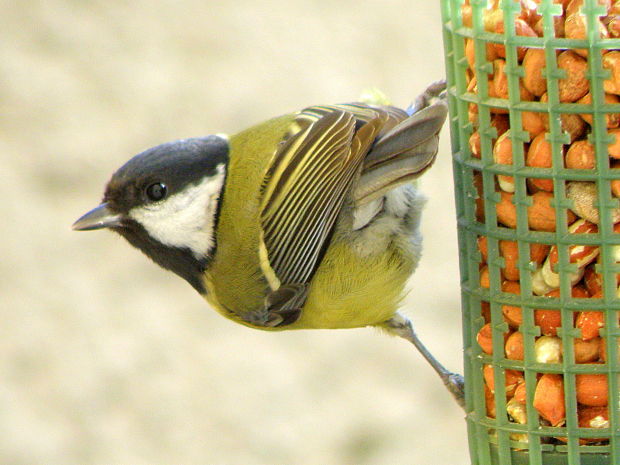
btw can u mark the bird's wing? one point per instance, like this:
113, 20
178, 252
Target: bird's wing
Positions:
389, 116
305, 186
406, 143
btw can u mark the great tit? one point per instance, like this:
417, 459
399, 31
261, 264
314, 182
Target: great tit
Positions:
308, 220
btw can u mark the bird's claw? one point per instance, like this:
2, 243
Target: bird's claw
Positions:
437, 90
455, 383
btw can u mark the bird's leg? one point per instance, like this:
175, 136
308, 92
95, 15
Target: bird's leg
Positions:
401, 326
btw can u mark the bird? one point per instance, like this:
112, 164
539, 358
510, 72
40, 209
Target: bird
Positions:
310, 220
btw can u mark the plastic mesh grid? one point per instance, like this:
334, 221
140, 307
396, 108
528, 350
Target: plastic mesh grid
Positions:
500, 439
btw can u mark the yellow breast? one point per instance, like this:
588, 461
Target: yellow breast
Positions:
350, 290
347, 290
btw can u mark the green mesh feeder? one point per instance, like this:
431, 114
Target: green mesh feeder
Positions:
498, 434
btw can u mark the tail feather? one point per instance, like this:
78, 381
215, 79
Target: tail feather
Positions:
403, 153
407, 135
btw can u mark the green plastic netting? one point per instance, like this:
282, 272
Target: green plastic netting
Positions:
527, 428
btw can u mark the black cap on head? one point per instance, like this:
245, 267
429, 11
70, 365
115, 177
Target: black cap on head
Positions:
174, 164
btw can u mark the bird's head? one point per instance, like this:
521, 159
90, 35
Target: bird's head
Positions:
165, 201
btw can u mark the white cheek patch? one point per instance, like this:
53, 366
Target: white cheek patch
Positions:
185, 219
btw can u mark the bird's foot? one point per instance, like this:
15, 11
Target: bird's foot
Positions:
455, 383
435, 91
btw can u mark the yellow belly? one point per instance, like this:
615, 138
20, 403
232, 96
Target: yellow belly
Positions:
349, 290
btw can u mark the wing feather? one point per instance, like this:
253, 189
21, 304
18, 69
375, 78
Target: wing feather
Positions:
307, 182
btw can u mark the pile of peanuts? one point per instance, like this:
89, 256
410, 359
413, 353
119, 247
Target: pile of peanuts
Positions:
583, 216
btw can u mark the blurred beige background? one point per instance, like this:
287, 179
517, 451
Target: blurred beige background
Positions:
104, 358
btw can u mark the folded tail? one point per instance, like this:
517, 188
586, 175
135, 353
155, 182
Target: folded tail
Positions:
407, 150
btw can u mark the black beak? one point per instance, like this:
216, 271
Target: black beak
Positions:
98, 218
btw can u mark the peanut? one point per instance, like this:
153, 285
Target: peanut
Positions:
514, 346
500, 123
484, 339
603, 349
584, 197
575, 6
582, 255
500, 83
533, 123
593, 417
539, 156
534, 62
580, 156
575, 28
587, 351
549, 398
548, 349
485, 281
575, 85
613, 26
550, 320
520, 394
558, 26
571, 123
475, 145
512, 379
483, 248
612, 120
611, 61
593, 280
512, 313
590, 323
521, 29
506, 210
471, 56
541, 215
613, 148
615, 184
489, 398
502, 154
591, 389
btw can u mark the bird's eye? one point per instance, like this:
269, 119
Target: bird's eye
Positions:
156, 191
